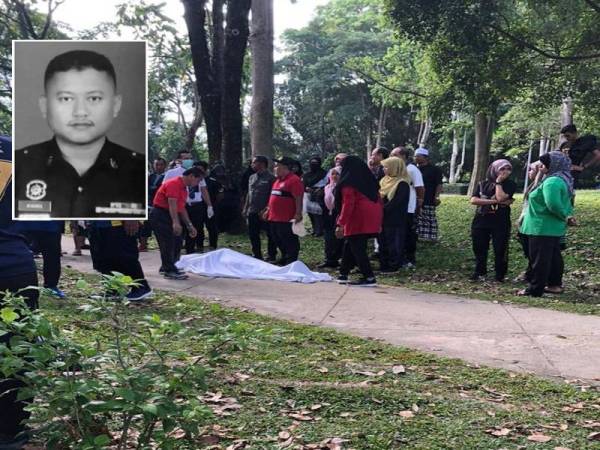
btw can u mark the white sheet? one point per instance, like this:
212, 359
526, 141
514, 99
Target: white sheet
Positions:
230, 264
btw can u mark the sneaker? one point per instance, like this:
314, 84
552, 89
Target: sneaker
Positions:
175, 275
342, 279
364, 282
56, 292
139, 293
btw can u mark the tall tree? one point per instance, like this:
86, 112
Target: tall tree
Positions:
261, 44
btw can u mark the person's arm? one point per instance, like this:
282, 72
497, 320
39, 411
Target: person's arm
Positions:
188, 223
593, 161
299, 199
174, 216
438, 191
557, 198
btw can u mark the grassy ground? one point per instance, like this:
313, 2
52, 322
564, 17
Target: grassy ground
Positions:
445, 267
300, 387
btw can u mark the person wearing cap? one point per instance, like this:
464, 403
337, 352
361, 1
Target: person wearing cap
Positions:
17, 272
79, 173
427, 225
415, 203
168, 213
259, 191
285, 208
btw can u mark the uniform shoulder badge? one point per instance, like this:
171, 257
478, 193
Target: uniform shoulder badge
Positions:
36, 189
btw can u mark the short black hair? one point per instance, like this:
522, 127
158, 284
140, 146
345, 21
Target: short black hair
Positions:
182, 151
564, 145
202, 164
568, 129
382, 151
545, 159
196, 172
79, 60
160, 158
262, 159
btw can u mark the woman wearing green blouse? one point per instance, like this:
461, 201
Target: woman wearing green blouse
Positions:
548, 212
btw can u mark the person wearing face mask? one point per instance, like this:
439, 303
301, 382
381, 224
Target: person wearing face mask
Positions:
314, 181
492, 197
549, 211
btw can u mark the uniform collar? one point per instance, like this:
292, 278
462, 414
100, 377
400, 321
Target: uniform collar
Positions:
105, 157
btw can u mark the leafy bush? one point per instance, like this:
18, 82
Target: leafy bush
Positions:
122, 392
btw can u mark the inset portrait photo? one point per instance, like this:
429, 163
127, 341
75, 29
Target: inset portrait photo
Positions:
79, 130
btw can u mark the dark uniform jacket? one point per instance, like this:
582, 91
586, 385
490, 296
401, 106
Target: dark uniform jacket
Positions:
48, 186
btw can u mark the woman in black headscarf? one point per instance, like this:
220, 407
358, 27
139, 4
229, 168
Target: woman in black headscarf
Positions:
360, 217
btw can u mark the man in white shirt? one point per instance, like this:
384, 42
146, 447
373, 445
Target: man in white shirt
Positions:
415, 202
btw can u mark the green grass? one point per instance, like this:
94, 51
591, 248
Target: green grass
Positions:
445, 267
345, 387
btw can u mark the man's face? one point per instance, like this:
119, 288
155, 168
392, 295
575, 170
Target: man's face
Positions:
159, 165
185, 155
376, 157
571, 137
80, 106
420, 160
281, 170
257, 166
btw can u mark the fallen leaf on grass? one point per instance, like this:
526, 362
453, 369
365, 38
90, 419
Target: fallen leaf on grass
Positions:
594, 436
562, 448
237, 445
539, 438
345, 414
315, 407
575, 408
399, 369
406, 414
591, 424
323, 370
301, 417
499, 433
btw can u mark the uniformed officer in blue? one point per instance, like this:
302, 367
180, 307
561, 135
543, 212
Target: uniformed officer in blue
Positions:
79, 173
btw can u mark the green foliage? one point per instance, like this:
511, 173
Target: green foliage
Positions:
118, 388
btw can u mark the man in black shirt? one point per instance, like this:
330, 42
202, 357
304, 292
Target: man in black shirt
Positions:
79, 173
377, 155
578, 149
427, 225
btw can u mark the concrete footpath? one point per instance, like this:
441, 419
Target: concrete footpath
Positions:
517, 338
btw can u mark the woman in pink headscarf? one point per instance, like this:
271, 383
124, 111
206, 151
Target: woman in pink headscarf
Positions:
333, 245
493, 197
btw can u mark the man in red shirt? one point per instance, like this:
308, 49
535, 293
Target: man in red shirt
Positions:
285, 207
166, 217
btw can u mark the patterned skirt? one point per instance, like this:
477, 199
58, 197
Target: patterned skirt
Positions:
427, 225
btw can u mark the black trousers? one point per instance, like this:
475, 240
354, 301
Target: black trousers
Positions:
113, 250
546, 263
48, 244
411, 237
333, 245
500, 237
199, 218
255, 226
316, 220
355, 254
168, 244
286, 241
12, 412
392, 241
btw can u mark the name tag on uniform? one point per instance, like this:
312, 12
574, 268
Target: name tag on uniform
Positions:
33, 208
121, 208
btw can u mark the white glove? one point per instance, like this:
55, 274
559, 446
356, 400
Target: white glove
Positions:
210, 212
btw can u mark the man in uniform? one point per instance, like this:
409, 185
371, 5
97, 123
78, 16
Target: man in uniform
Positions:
79, 173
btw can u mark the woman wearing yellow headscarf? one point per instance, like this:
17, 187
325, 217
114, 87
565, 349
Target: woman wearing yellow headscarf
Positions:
395, 191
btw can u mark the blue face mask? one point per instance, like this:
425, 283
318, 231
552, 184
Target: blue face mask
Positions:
187, 163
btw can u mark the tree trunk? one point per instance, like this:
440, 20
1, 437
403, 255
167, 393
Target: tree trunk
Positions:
543, 140
381, 125
483, 131
459, 169
454, 157
526, 183
261, 44
566, 112
236, 39
426, 132
205, 66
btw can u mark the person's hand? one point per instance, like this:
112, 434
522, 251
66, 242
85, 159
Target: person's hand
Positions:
571, 221
504, 174
339, 233
131, 227
298, 218
210, 212
577, 168
507, 202
177, 229
192, 231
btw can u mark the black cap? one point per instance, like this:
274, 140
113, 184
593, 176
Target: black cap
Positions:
286, 161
